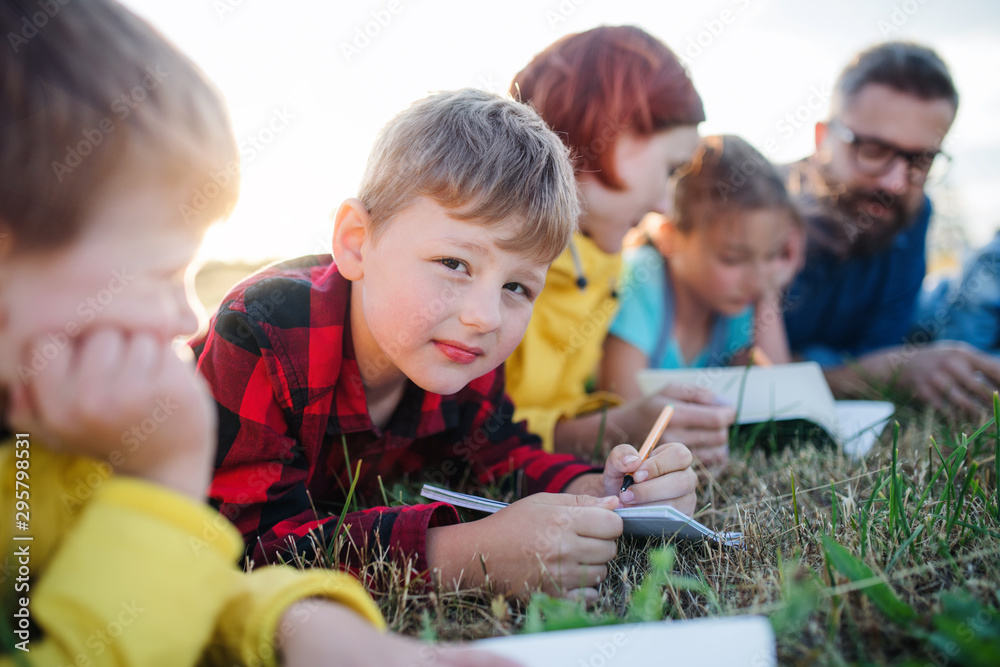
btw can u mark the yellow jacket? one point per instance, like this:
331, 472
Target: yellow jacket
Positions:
548, 373
118, 571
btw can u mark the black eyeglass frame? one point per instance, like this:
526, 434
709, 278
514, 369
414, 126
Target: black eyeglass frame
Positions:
918, 163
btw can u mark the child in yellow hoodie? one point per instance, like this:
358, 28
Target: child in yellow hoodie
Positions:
115, 155
624, 105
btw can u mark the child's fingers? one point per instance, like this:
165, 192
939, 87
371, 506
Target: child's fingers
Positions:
703, 417
587, 595
142, 356
599, 523
665, 488
597, 550
665, 459
622, 459
49, 392
100, 357
572, 500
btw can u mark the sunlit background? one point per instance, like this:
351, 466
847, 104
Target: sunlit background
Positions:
309, 83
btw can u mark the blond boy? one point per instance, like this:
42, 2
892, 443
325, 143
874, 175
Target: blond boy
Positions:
390, 352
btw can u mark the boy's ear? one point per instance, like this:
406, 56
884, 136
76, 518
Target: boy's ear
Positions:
820, 132
350, 232
663, 231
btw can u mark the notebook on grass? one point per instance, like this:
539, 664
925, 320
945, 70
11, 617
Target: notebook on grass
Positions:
656, 520
784, 393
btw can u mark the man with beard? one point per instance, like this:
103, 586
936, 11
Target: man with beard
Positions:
862, 195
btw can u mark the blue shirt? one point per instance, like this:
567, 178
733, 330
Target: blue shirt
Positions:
839, 309
967, 309
645, 317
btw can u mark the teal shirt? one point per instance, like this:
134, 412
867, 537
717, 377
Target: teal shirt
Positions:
646, 317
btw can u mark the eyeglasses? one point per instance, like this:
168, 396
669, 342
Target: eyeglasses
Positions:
875, 157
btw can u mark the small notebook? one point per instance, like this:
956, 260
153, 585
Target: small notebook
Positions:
744, 641
648, 521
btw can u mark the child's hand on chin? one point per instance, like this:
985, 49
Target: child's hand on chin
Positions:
128, 399
330, 630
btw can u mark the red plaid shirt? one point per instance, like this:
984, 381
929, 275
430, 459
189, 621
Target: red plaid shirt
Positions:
282, 368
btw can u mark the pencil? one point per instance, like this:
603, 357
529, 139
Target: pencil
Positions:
651, 440
758, 357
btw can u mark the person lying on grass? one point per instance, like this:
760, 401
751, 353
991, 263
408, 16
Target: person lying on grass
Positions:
390, 353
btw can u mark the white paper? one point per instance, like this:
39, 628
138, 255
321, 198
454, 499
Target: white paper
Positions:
761, 393
860, 423
656, 520
745, 641
783, 392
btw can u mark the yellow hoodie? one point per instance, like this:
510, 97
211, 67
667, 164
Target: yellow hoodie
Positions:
548, 373
118, 571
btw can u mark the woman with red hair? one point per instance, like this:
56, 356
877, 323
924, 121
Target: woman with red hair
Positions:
626, 107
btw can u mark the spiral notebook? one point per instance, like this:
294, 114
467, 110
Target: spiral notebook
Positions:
647, 521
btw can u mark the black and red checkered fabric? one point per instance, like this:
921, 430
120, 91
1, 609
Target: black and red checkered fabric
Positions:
293, 423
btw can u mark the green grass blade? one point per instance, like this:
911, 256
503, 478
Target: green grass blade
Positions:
894, 481
332, 540
996, 454
647, 601
833, 505
960, 500
599, 444
877, 590
902, 547
795, 503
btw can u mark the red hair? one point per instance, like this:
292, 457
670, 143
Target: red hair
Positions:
593, 86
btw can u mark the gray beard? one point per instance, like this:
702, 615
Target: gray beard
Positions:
838, 217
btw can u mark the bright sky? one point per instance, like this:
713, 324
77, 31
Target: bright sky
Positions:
310, 82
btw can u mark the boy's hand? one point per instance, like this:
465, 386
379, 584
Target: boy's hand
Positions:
665, 477
330, 629
127, 399
557, 542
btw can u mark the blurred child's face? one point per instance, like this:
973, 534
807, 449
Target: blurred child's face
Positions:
128, 269
729, 263
441, 303
644, 165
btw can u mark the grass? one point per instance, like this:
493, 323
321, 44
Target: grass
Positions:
894, 559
